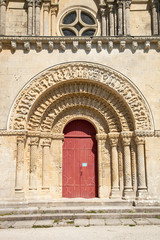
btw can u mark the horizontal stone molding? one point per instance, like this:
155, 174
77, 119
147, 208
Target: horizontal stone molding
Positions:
63, 43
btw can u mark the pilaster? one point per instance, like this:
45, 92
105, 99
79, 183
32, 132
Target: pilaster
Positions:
103, 20
54, 10
46, 9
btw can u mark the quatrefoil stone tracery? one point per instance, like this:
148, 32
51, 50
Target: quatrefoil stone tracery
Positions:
78, 22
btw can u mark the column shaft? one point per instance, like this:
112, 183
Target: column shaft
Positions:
104, 22
33, 163
120, 18
3, 17
53, 19
37, 18
111, 21
30, 19
45, 163
20, 164
127, 15
127, 168
154, 20
141, 171
46, 19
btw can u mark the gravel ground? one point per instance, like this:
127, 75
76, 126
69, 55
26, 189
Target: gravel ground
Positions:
151, 232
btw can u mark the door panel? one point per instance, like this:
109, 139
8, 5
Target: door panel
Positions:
79, 166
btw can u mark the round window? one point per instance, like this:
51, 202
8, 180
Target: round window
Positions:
78, 22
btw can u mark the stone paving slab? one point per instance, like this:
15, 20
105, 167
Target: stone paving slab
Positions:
44, 223
126, 221
113, 222
23, 224
97, 222
6, 224
142, 221
154, 221
81, 222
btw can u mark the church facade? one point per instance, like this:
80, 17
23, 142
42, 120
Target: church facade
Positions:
79, 100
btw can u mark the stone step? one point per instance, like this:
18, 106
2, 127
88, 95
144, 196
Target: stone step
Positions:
80, 209
60, 216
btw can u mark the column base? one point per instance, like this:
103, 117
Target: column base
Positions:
18, 189
45, 188
142, 194
128, 194
32, 188
115, 194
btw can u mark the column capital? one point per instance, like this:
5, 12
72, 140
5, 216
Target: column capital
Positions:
2, 2
30, 3
128, 3
34, 141
110, 7
46, 6
126, 138
101, 136
153, 3
103, 10
38, 3
139, 140
21, 139
120, 3
54, 9
46, 142
113, 137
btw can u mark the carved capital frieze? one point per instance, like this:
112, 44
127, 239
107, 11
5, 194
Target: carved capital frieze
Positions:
101, 136
126, 138
38, 3
46, 142
34, 141
21, 139
103, 10
58, 136
46, 6
113, 138
30, 3
127, 3
139, 140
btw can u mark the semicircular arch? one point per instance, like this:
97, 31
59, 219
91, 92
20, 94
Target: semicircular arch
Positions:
115, 82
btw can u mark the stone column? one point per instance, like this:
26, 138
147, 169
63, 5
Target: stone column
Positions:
34, 141
111, 20
2, 17
154, 10
127, 15
120, 17
46, 8
45, 163
141, 170
57, 144
54, 10
126, 141
113, 137
100, 139
38, 8
20, 163
103, 21
30, 17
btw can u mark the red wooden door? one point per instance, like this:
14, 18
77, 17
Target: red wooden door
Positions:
79, 160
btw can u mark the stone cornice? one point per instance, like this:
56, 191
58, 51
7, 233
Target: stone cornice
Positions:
122, 43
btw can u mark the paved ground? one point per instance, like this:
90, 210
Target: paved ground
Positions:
79, 223
86, 233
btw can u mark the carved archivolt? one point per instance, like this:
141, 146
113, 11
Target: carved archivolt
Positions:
94, 86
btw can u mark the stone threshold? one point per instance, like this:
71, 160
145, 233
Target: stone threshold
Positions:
38, 43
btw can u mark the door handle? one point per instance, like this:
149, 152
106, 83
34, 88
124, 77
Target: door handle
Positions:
81, 173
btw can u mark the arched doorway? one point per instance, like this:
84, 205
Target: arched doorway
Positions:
80, 175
